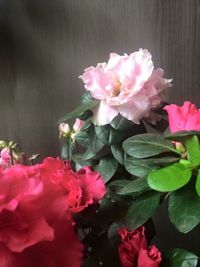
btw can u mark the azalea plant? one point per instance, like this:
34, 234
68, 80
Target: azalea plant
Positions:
119, 162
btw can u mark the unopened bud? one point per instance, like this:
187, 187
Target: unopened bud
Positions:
179, 147
64, 129
78, 125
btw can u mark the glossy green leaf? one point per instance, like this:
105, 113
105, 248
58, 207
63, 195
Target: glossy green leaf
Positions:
118, 185
66, 150
82, 138
103, 133
169, 178
95, 143
142, 209
142, 167
179, 258
138, 185
78, 158
89, 154
107, 167
197, 185
86, 97
108, 135
181, 136
121, 123
118, 153
88, 105
184, 209
147, 145
193, 150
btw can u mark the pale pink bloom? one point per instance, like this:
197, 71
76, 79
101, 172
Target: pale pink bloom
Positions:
183, 118
5, 158
64, 129
126, 85
78, 125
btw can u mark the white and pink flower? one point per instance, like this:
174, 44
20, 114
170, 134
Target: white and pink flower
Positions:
126, 85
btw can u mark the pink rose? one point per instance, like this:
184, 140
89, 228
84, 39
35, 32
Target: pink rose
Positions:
133, 251
78, 125
183, 118
35, 223
126, 85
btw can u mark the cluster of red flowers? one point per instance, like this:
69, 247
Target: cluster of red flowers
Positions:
134, 250
36, 213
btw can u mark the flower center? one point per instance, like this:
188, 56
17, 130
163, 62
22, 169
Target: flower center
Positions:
117, 88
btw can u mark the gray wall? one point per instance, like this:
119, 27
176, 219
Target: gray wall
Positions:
46, 44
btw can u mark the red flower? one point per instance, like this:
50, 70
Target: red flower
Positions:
82, 188
184, 118
150, 257
133, 250
36, 227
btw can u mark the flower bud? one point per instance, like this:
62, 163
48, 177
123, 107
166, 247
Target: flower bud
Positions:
64, 129
78, 125
179, 147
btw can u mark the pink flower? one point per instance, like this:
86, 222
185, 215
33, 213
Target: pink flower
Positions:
183, 118
64, 129
5, 158
36, 227
126, 85
78, 125
82, 188
133, 251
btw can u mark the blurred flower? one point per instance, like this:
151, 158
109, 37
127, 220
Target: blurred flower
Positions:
5, 158
78, 125
133, 251
64, 129
126, 85
183, 118
36, 226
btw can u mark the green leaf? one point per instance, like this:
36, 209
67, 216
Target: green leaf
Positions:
169, 178
138, 185
193, 149
103, 133
95, 143
78, 158
179, 258
118, 153
121, 123
89, 154
107, 167
118, 185
181, 136
142, 209
82, 138
88, 105
147, 145
142, 167
184, 209
66, 150
108, 135
86, 97
197, 185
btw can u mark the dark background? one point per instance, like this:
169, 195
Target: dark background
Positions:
46, 44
